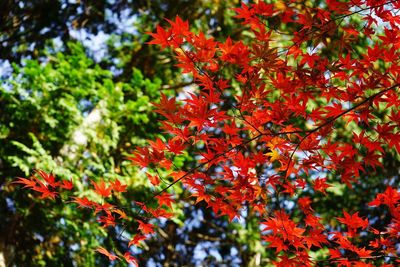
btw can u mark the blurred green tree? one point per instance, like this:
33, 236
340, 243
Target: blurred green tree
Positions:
66, 116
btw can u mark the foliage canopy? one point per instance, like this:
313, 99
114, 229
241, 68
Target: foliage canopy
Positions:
286, 129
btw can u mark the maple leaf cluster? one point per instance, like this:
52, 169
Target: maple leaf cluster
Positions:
108, 215
264, 120
44, 183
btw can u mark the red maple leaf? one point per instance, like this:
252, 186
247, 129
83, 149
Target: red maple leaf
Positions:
130, 259
179, 27
161, 37
45, 190
101, 189
320, 185
68, 185
110, 256
276, 242
49, 178
390, 198
136, 240
165, 199
117, 186
176, 146
154, 179
145, 228
353, 221
28, 183
83, 202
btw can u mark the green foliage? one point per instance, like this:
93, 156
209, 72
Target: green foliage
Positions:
68, 116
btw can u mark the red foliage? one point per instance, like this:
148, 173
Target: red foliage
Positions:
274, 103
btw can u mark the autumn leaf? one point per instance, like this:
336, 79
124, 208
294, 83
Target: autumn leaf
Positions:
130, 259
165, 199
121, 213
45, 190
117, 186
161, 37
274, 155
154, 180
353, 221
276, 242
48, 178
145, 228
28, 183
83, 202
107, 220
390, 198
136, 240
166, 106
67, 185
320, 185
176, 146
179, 27
102, 189
105, 252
